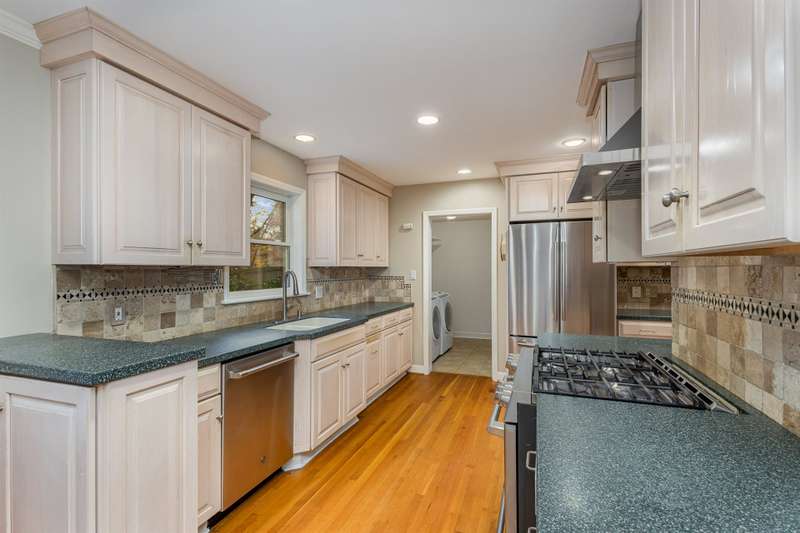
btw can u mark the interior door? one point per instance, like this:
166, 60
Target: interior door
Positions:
220, 191
145, 178
739, 193
668, 141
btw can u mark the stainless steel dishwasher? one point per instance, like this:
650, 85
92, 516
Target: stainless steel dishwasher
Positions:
257, 419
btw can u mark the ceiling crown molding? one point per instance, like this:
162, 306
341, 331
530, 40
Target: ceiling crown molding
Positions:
352, 170
84, 33
609, 63
539, 165
18, 29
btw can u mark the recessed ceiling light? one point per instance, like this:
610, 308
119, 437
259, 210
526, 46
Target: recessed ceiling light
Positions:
427, 120
605, 172
464, 171
450, 217
571, 143
587, 197
305, 138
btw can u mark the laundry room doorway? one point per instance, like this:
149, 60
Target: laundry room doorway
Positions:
461, 279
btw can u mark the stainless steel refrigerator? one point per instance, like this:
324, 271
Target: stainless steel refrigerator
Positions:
553, 285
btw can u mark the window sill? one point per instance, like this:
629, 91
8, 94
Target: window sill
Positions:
230, 300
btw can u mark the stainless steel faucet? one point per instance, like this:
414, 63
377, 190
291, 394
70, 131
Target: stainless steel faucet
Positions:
289, 275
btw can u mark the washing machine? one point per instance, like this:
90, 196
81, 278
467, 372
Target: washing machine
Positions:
447, 322
437, 325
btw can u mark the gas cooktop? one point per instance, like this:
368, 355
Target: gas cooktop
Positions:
632, 377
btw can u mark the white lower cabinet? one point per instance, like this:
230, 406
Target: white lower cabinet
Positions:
373, 360
337, 391
391, 351
121, 457
209, 458
405, 357
47, 436
354, 396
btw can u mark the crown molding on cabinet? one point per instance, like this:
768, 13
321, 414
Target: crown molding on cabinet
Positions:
540, 165
609, 63
352, 170
83, 33
18, 29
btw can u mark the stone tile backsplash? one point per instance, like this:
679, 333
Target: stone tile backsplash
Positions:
654, 283
737, 320
167, 302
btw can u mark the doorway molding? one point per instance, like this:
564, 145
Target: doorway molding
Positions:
427, 280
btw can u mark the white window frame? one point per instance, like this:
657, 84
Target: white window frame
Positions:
295, 199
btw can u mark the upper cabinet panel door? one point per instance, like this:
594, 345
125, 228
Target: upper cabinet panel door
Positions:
322, 220
145, 172
367, 219
565, 210
348, 222
739, 194
382, 232
667, 146
533, 197
221, 191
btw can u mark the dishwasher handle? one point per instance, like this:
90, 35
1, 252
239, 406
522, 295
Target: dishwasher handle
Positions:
239, 374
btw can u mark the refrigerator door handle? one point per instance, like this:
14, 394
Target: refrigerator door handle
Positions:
562, 276
557, 284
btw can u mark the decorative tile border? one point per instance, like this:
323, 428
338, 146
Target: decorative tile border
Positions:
644, 281
91, 295
774, 313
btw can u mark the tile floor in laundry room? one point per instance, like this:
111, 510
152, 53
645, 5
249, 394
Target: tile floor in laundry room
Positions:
467, 356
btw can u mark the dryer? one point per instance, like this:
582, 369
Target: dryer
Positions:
447, 322
437, 325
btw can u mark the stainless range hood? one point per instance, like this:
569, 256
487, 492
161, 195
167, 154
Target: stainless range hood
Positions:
615, 172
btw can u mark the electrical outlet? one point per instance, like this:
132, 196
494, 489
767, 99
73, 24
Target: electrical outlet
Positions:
319, 292
118, 316
650, 291
215, 277
636, 291
412, 275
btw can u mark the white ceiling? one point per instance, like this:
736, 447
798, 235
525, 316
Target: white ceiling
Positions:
502, 75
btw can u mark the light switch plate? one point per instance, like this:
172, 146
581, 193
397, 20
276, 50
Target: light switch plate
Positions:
412, 275
118, 315
319, 292
636, 291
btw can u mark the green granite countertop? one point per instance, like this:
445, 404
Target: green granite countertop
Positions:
89, 362
625, 467
660, 315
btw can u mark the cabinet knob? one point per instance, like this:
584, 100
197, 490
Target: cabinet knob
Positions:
673, 197
189, 243
200, 244
554, 209
597, 238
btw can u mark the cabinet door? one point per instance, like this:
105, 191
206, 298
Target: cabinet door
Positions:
353, 393
145, 172
47, 443
599, 121
326, 404
668, 119
373, 373
565, 210
366, 215
533, 197
391, 347
738, 194
382, 232
348, 222
209, 458
599, 248
406, 347
147, 452
220, 191
322, 220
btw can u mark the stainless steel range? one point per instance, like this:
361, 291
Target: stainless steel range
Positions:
604, 375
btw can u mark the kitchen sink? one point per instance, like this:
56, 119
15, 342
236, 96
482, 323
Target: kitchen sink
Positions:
307, 324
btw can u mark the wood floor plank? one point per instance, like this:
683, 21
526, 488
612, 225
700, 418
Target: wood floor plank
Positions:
419, 460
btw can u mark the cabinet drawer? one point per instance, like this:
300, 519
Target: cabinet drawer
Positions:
373, 326
208, 381
405, 315
390, 320
336, 341
645, 329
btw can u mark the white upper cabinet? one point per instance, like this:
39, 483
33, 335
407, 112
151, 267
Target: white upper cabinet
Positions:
145, 172
347, 223
142, 177
565, 210
599, 121
720, 91
544, 197
221, 188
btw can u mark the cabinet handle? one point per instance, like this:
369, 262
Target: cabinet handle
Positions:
554, 209
189, 243
673, 197
219, 418
562, 208
597, 238
199, 244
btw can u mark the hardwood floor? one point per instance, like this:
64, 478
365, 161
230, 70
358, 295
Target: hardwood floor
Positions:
419, 460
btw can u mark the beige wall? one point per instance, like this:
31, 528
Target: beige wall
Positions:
26, 305
271, 161
405, 247
462, 267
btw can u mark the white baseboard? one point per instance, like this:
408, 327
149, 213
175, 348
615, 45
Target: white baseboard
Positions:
299, 460
471, 335
419, 369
